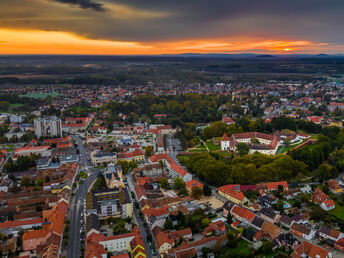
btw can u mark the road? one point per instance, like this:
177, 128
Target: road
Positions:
170, 143
77, 204
278, 110
137, 219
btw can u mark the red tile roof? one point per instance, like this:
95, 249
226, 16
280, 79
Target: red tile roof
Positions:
225, 138
243, 213
17, 223
193, 183
174, 166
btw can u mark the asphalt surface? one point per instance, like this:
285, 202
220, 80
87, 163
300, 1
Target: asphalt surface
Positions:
77, 204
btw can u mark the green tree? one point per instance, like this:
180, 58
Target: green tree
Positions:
205, 222
164, 183
196, 192
149, 151
206, 190
25, 181
168, 224
242, 148
267, 247
178, 183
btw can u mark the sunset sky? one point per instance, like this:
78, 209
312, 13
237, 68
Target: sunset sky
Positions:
143, 27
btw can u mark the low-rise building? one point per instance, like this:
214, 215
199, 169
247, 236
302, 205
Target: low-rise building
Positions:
302, 231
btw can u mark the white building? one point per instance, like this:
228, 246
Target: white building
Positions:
40, 127
55, 127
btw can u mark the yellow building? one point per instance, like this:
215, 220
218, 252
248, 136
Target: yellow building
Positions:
114, 176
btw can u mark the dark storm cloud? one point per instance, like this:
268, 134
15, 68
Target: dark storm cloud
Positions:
84, 4
161, 20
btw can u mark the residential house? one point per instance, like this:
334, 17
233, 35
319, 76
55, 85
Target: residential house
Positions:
334, 186
266, 200
227, 192
329, 233
191, 184
269, 215
270, 231
242, 214
307, 249
322, 199
302, 231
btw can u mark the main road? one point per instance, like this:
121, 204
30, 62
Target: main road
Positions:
77, 204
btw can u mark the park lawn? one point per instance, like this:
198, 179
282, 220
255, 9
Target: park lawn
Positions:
40, 95
338, 211
200, 146
212, 147
242, 250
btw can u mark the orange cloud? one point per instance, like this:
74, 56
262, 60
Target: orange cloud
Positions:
55, 42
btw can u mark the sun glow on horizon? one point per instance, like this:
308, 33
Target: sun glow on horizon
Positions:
59, 42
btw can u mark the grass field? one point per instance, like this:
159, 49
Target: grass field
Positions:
338, 211
40, 95
212, 147
242, 250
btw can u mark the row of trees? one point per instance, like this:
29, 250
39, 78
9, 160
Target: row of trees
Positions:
23, 163
246, 169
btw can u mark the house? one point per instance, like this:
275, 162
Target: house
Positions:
174, 169
98, 245
242, 214
267, 200
334, 186
224, 142
191, 184
270, 230
328, 233
302, 231
166, 239
286, 221
161, 212
227, 120
136, 155
257, 222
273, 186
339, 244
100, 158
28, 150
163, 242
227, 192
215, 228
269, 215
306, 189
287, 240
227, 207
53, 229
307, 249
322, 199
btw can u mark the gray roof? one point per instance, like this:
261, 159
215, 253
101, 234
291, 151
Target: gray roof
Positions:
268, 212
286, 220
92, 222
258, 222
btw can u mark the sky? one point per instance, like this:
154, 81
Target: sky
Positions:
149, 27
